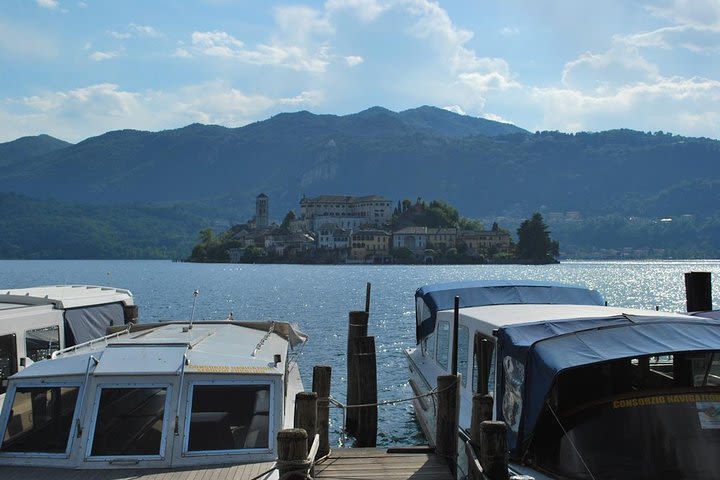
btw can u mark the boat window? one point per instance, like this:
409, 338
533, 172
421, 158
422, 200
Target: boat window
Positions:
8, 359
40, 343
463, 349
40, 420
443, 343
429, 344
129, 421
483, 376
229, 417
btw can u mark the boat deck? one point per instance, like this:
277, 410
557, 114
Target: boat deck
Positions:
381, 463
211, 472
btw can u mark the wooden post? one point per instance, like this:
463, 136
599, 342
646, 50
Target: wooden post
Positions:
292, 447
482, 410
367, 297
321, 386
454, 352
366, 432
494, 454
698, 291
306, 414
357, 327
447, 416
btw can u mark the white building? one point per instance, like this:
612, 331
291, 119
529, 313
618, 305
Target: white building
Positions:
347, 212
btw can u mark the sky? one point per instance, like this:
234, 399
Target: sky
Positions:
78, 68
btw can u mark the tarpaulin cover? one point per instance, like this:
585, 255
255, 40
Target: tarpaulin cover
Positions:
87, 323
441, 296
543, 350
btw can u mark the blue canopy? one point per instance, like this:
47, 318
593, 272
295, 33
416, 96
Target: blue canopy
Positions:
533, 354
478, 293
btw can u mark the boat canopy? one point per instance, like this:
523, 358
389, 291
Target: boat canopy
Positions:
534, 354
431, 299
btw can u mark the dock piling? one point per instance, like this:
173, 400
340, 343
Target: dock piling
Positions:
366, 431
698, 291
292, 451
448, 411
482, 407
321, 385
494, 452
357, 327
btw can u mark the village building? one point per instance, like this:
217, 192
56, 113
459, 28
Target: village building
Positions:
442, 238
480, 243
373, 245
412, 238
346, 211
332, 238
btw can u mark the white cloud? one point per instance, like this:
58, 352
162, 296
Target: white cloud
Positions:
299, 25
366, 10
135, 31
222, 44
79, 113
696, 38
354, 60
455, 109
49, 4
181, 53
482, 82
691, 12
509, 31
619, 65
101, 56
309, 98
495, 118
82, 4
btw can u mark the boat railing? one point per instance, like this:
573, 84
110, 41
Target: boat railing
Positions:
89, 343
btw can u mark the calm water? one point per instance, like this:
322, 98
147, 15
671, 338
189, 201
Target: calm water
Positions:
319, 298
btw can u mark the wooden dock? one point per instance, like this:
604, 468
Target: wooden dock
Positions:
382, 463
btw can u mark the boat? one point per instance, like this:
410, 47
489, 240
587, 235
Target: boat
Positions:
175, 395
36, 321
587, 391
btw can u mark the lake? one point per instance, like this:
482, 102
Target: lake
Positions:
318, 298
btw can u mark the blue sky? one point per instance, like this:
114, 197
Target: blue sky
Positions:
78, 68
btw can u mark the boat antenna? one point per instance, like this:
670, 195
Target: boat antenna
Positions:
192, 315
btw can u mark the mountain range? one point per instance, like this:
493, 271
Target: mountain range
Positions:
484, 168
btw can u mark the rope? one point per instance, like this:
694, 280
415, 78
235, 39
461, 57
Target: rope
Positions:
432, 392
570, 440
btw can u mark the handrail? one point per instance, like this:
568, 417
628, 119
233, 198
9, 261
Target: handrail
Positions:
65, 350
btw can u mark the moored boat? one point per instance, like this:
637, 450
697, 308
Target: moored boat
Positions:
172, 395
34, 322
587, 391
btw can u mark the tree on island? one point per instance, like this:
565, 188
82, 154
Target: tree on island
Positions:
534, 242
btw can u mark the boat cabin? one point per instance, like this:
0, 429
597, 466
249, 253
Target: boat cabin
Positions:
174, 394
34, 322
587, 391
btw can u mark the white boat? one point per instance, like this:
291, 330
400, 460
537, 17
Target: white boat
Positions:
36, 321
174, 395
587, 391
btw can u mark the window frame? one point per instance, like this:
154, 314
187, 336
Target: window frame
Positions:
96, 407
440, 324
49, 327
5, 418
185, 452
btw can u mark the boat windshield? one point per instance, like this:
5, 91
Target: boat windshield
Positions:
40, 420
644, 418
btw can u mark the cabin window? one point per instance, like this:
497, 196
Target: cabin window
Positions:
429, 344
40, 343
8, 359
463, 348
443, 341
40, 420
229, 417
129, 421
483, 375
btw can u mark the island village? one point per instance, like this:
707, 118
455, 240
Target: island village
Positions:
350, 229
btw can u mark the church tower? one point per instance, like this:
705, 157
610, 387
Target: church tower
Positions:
261, 211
